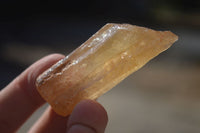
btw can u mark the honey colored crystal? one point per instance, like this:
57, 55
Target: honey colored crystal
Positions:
109, 56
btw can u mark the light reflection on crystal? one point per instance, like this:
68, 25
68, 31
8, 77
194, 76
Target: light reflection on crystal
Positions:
109, 56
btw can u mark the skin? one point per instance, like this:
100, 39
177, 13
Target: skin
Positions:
20, 99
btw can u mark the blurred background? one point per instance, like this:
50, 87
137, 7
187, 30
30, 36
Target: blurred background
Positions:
163, 96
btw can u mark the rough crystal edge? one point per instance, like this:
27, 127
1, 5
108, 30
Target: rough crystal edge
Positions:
47, 74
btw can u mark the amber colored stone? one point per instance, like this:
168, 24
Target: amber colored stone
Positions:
109, 56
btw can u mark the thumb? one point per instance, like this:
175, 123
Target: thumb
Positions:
88, 117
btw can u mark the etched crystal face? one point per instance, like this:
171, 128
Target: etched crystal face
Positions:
105, 59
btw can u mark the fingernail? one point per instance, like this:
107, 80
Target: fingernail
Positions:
79, 128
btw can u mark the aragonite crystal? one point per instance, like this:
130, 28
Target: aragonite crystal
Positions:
109, 56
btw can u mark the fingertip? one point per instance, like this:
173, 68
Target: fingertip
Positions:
30, 74
43, 64
28, 78
89, 113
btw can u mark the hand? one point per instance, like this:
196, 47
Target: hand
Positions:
20, 99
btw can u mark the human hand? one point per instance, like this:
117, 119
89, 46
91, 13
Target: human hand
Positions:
20, 99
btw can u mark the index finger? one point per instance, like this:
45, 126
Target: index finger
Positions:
20, 98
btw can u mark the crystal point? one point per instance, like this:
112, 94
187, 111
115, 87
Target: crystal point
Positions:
105, 59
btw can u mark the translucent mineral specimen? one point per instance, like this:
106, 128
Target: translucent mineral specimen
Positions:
109, 56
